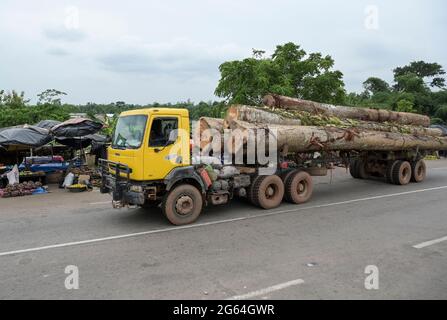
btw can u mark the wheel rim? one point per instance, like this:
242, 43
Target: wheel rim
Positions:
420, 171
405, 172
184, 205
270, 191
301, 188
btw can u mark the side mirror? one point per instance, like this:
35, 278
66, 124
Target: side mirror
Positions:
173, 135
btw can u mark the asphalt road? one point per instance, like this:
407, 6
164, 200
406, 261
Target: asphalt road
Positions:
314, 251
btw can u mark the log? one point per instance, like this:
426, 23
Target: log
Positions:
257, 115
298, 139
265, 115
205, 131
366, 114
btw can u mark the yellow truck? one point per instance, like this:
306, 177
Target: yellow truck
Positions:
150, 164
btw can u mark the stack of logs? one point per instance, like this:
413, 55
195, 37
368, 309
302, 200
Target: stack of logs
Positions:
305, 126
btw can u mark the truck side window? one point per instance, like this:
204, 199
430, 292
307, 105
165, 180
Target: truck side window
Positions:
160, 130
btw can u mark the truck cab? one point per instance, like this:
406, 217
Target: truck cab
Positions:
148, 157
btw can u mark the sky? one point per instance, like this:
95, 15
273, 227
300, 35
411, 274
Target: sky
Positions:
144, 51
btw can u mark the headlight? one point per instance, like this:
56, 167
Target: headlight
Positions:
138, 189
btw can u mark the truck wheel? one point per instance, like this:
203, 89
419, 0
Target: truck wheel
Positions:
361, 169
389, 171
251, 188
298, 187
183, 205
353, 169
268, 192
401, 173
419, 171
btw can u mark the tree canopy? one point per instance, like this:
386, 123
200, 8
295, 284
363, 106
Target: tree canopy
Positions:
288, 71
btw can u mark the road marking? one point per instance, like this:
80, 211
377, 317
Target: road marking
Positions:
102, 202
204, 224
268, 290
439, 168
429, 243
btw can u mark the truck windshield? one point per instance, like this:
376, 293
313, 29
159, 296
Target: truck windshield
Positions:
129, 132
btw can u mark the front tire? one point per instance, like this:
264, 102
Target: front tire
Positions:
183, 205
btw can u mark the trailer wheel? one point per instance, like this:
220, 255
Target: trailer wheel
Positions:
401, 173
298, 187
361, 169
353, 169
389, 171
419, 171
268, 191
183, 204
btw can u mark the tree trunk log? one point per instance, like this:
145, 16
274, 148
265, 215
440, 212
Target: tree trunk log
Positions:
311, 138
366, 114
256, 115
206, 129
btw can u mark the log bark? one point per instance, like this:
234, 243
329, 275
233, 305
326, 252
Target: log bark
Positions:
256, 115
205, 132
311, 138
366, 114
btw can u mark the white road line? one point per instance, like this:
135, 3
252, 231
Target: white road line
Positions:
102, 202
198, 225
268, 290
439, 168
429, 243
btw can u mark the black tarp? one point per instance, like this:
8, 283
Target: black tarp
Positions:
78, 127
27, 136
47, 124
82, 142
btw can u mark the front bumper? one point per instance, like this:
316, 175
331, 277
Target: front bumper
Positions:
116, 181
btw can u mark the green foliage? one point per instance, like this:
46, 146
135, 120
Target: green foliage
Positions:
12, 116
422, 70
289, 71
375, 85
50, 96
441, 113
405, 106
12, 99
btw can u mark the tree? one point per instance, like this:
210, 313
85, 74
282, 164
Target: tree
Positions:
422, 70
50, 96
289, 71
375, 85
13, 99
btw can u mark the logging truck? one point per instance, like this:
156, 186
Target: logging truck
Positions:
151, 164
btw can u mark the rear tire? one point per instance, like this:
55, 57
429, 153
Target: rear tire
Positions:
401, 173
353, 169
361, 169
389, 171
268, 192
298, 187
419, 171
183, 205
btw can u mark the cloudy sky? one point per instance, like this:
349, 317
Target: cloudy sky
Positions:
141, 51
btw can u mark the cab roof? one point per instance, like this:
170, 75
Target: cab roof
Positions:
154, 111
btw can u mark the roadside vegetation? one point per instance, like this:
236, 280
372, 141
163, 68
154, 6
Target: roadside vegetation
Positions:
417, 87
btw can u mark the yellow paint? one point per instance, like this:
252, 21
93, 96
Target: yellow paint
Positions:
145, 162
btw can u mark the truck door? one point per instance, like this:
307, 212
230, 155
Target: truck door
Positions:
161, 158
